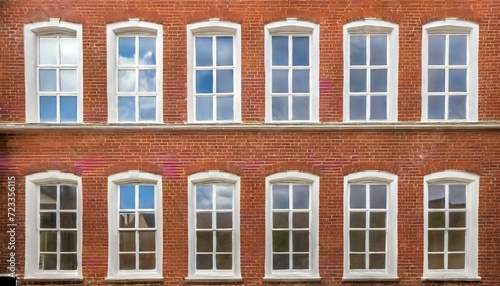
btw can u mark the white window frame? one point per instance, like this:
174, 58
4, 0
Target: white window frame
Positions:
375, 27
33, 182
114, 182
213, 27
132, 27
31, 34
307, 275
290, 27
213, 177
470, 273
390, 273
453, 26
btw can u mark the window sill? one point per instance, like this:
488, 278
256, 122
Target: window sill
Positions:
370, 279
120, 279
213, 279
58, 278
291, 278
445, 277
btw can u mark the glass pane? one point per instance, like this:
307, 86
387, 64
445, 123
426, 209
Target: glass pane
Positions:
127, 220
357, 107
224, 261
457, 107
127, 241
456, 261
377, 240
281, 241
279, 50
224, 241
224, 81
203, 220
436, 107
147, 50
357, 261
436, 80
224, 220
378, 80
378, 196
203, 197
280, 197
357, 220
47, 80
300, 220
458, 50
204, 241
436, 261
126, 50
280, 108
300, 196
437, 219
68, 220
48, 51
68, 81
204, 261
68, 241
357, 198
458, 80
457, 219
48, 197
146, 197
281, 261
300, 108
147, 261
378, 50
147, 80
280, 220
436, 196
435, 240
300, 51
69, 51
377, 219
300, 81
48, 262
357, 80
48, 241
225, 108
357, 50
378, 107
204, 108
47, 220
48, 106
377, 261
456, 240
357, 240
300, 241
126, 108
300, 261
69, 261
203, 51
437, 46
204, 81
146, 220
224, 51
127, 261
457, 197
127, 197
147, 241
224, 197
68, 105
280, 81
147, 108
126, 81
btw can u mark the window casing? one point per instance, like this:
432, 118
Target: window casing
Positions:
135, 57
214, 235
135, 226
370, 226
54, 226
450, 226
292, 202
214, 72
371, 53
449, 71
292, 71
53, 72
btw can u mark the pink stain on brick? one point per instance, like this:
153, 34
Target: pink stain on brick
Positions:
90, 163
325, 84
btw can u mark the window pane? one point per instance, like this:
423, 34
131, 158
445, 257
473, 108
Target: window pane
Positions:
357, 80
300, 196
357, 261
357, 198
301, 261
127, 261
436, 261
47, 79
377, 261
300, 51
456, 240
357, 107
224, 241
146, 220
48, 220
68, 241
147, 50
126, 50
357, 219
127, 197
203, 261
69, 51
147, 108
146, 197
69, 107
224, 261
436, 196
378, 50
300, 220
68, 80
280, 81
300, 108
378, 196
437, 219
378, 107
436, 80
458, 219
147, 241
225, 108
48, 262
281, 241
377, 240
280, 220
204, 81
204, 108
436, 107
378, 80
147, 80
377, 219
48, 241
48, 107
437, 46
279, 50
457, 197
48, 197
127, 220
300, 241
224, 198
458, 49
204, 241
224, 81
204, 220
280, 197
69, 261
147, 261
127, 241
300, 81
203, 197
436, 240
457, 107
458, 80
67, 220
203, 51
224, 220
126, 81
280, 108
456, 261
357, 50
224, 51
281, 261
48, 51
126, 108
357, 240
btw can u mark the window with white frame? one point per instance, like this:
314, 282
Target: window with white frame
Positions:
53, 226
292, 202
135, 72
135, 226
53, 72
449, 75
370, 226
214, 235
292, 71
451, 216
214, 71
371, 71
